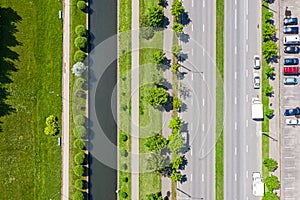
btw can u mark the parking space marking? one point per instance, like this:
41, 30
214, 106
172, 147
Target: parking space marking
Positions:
192, 102
191, 152
289, 147
290, 178
203, 52
290, 168
289, 157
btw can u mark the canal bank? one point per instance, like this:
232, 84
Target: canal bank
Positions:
103, 100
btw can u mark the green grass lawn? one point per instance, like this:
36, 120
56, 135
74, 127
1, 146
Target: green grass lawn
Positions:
219, 170
30, 161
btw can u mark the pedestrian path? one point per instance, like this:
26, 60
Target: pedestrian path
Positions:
135, 102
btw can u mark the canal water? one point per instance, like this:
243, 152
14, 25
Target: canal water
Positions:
102, 100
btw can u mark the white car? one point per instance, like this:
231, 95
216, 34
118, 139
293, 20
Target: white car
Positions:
256, 81
292, 121
185, 139
256, 62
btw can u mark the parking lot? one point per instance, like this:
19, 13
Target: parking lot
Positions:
290, 98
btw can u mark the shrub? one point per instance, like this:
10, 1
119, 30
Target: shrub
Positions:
80, 42
79, 131
81, 5
271, 164
155, 16
176, 49
270, 196
79, 120
272, 182
147, 33
79, 144
79, 158
123, 152
78, 184
157, 97
51, 125
124, 179
176, 103
79, 56
123, 195
80, 30
78, 195
78, 170
123, 137
124, 166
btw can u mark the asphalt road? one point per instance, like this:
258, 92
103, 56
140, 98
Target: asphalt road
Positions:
200, 82
242, 137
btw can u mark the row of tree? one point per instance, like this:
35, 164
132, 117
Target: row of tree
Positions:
271, 182
123, 176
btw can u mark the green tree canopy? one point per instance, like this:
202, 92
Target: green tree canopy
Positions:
79, 184
177, 9
175, 124
158, 57
269, 15
175, 143
155, 16
81, 5
79, 144
154, 196
80, 30
157, 97
178, 28
156, 142
270, 71
269, 49
79, 158
175, 68
176, 49
51, 125
177, 103
79, 119
272, 182
268, 31
79, 56
156, 163
177, 162
269, 90
79, 131
78, 195
80, 42
271, 164
175, 176
270, 196
78, 170
123, 195
269, 113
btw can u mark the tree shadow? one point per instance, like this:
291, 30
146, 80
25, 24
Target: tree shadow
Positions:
184, 37
163, 3
183, 108
182, 57
166, 22
9, 18
185, 19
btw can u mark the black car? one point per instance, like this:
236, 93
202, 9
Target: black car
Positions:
290, 30
291, 49
290, 112
290, 21
291, 61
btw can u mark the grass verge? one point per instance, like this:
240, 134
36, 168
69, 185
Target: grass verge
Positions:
219, 168
31, 67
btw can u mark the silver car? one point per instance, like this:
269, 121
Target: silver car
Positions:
292, 122
256, 81
256, 62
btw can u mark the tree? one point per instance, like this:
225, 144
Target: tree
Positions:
269, 113
81, 5
79, 144
157, 97
177, 103
79, 158
80, 30
79, 131
123, 137
79, 56
147, 32
175, 68
175, 124
268, 16
269, 49
154, 196
156, 163
123, 152
271, 164
78, 170
270, 71
175, 176
51, 125
79, 82
78, 195
269, 90
124, 179
272, 182
79, 119
177, 9
78, 184
80, 42
158, 57
178, 28
176, 49
156, 142
175, 143
270, 196
268, 31
177, 162
78, 68
155, 16
123, 195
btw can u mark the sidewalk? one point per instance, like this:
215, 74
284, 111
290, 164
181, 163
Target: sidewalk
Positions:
65, 104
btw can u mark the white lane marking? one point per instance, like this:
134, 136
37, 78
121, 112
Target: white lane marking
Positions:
202, 178
191, 177
235, 75
192, 27
247, 174
191, 152
192, 3
247, 73
203, 4
192, 77
247, 198
246, 47
192, 52
247, 148
203, 127
247, 7
247, 123
235, 2
235, 100
235, 151
235, 125
247, 34
235, 18
203, 76
235, 50
191, 127
203, 102
203, 27
235, 177
247, 98
192, 102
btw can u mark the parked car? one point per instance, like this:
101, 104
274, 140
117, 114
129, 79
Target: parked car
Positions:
256, 62
256, 81
291, 40
289, 112
292, 122
185, 139
291, 70
291, 61
290, 21
291, 49
291, 30
290, 81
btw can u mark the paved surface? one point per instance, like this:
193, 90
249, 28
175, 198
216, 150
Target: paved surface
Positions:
65, 95
290, 148
135, 102
198, 93
242, 140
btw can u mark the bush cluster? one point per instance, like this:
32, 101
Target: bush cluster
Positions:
51, 125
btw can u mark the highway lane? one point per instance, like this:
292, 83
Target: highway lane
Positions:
200, 114
242, 151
